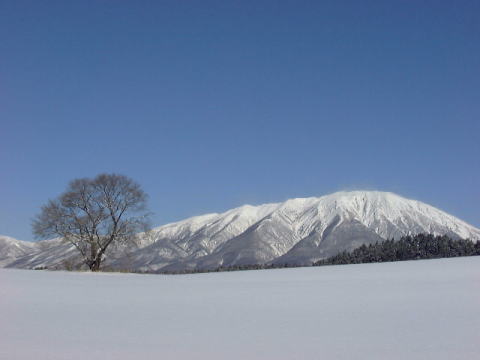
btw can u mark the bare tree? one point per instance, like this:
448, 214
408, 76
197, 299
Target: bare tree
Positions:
94, 214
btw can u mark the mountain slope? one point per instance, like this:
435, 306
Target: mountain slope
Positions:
11, 249
54, 254
298, 231
301, 231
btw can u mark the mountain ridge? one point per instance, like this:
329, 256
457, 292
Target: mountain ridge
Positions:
296, 231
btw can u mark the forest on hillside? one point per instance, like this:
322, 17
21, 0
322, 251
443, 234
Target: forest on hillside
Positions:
411, 247
421, 246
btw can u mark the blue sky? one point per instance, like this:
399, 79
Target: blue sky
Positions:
213, 104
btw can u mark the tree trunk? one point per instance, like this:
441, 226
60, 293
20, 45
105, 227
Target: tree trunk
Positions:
94, 264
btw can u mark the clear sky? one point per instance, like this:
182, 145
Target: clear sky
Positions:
213, 104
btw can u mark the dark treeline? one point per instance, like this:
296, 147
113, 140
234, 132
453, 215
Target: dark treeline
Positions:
231, 268
422, 246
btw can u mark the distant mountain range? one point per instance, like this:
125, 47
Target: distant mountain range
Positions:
297, 231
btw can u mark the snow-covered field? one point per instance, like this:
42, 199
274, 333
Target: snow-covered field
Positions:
406, 310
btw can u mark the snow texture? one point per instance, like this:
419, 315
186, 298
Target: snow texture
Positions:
298, 231
424, 309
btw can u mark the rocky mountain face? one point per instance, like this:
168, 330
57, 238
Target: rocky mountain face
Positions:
298, 231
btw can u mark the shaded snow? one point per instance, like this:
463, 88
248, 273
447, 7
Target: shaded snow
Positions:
405, 310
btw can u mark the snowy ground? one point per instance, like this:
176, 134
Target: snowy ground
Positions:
406, 310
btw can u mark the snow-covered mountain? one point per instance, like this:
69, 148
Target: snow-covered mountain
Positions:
298, 231
11, 248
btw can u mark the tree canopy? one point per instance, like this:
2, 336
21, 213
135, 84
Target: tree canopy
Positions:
94, 213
